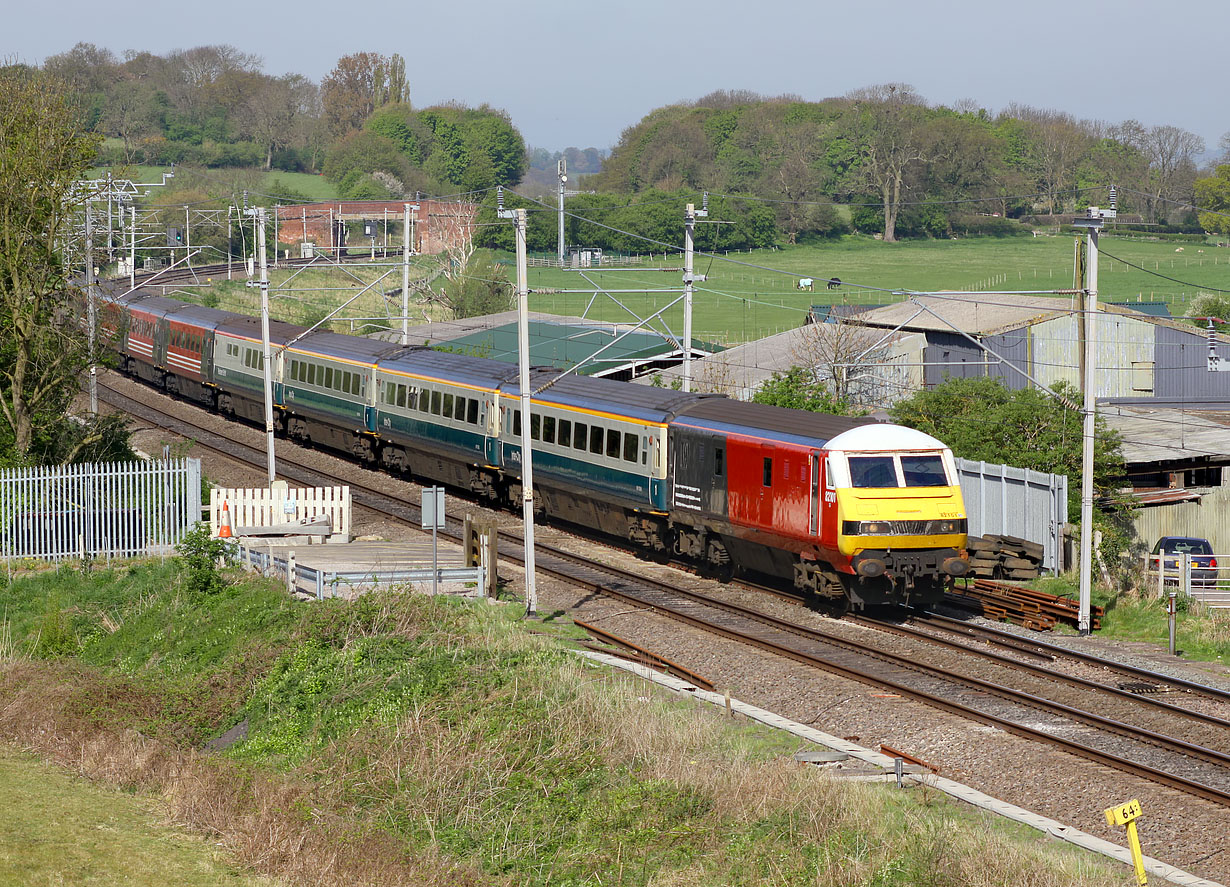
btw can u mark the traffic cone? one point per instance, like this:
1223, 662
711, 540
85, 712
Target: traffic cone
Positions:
224, 522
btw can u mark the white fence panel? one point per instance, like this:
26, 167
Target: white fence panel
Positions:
1018, 502
263, 507
1203, 580
118, 509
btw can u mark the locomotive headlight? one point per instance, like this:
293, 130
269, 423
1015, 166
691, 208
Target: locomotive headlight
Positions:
874, 528
951, 526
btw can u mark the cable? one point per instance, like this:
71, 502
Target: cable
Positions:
1163, 276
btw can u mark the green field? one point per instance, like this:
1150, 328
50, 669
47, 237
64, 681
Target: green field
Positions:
751, 295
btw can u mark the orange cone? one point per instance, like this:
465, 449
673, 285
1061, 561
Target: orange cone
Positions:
224, 522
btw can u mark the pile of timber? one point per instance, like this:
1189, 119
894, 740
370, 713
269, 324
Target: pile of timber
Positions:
1003, 557
1024, 606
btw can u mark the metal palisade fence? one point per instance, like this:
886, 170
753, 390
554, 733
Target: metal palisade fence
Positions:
117, 509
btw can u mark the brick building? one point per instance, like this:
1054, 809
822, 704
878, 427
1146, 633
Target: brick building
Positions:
438, 224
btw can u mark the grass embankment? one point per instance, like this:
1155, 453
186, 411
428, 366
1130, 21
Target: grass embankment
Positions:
740, 302
58, 829
1138, 614
412, 740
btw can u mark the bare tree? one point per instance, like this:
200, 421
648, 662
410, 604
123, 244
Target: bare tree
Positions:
852, 361
1170, 153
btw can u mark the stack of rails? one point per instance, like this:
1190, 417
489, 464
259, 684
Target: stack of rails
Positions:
1004, 557
1024, 606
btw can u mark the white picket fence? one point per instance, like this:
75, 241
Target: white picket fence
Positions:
115, 509
265, 507
1210, 586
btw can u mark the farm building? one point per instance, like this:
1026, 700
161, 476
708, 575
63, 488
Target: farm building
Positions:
1139, 356
872, 368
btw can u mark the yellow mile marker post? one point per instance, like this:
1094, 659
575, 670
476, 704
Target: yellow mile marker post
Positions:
1127, 814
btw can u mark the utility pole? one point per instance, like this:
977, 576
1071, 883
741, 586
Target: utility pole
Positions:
562, 171
90, 307
132, 253
187, 237
405, 273
1092, 224
523, 351
690, 214
258, 215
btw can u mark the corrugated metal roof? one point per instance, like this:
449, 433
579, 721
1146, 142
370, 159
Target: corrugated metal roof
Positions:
988, 315
1167, 435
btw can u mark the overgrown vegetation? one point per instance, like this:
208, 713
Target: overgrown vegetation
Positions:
402, 738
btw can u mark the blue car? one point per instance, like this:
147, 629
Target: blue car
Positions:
1170, 550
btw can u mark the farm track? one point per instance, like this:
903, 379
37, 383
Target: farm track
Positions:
1138, 735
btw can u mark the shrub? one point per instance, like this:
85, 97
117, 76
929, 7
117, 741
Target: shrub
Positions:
199, 553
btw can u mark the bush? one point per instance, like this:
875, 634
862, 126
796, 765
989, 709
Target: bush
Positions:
199, 553
985, 226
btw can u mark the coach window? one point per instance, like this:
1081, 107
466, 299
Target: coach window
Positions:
548, 429
535, 425
460, 415
328, 377
448, 406
472, 411
579, 435
719, 461
401, 395
768, 471
612, 443
630, 447
435, 403
565, 433
516, 423
424, 400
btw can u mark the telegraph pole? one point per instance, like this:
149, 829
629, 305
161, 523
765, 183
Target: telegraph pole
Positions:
562, 171
90, 306
1092, 224
132, 252
523, 350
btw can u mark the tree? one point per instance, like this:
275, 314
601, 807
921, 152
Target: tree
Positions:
890, 128
1213, 199
483, 288
980, 419
799, 389
43, 152
1169, 152
348, 92
268, 116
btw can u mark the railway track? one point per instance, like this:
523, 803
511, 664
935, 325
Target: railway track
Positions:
1188, 758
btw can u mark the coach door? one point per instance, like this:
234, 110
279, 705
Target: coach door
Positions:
813, 499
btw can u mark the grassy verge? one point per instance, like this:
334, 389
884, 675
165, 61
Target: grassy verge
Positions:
403, 739
1140, 615
57, 829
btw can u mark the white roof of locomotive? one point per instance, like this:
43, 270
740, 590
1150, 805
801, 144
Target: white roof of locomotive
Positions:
883, 438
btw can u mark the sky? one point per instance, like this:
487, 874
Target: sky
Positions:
576, 74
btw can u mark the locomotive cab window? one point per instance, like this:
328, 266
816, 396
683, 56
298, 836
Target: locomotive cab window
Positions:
873, 471
924, 471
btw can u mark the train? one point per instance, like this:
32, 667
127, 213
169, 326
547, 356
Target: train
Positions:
851, 511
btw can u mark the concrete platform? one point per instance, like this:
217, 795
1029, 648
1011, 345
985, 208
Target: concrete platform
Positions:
352, 568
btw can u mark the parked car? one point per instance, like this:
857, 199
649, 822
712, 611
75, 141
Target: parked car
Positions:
1204, 565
